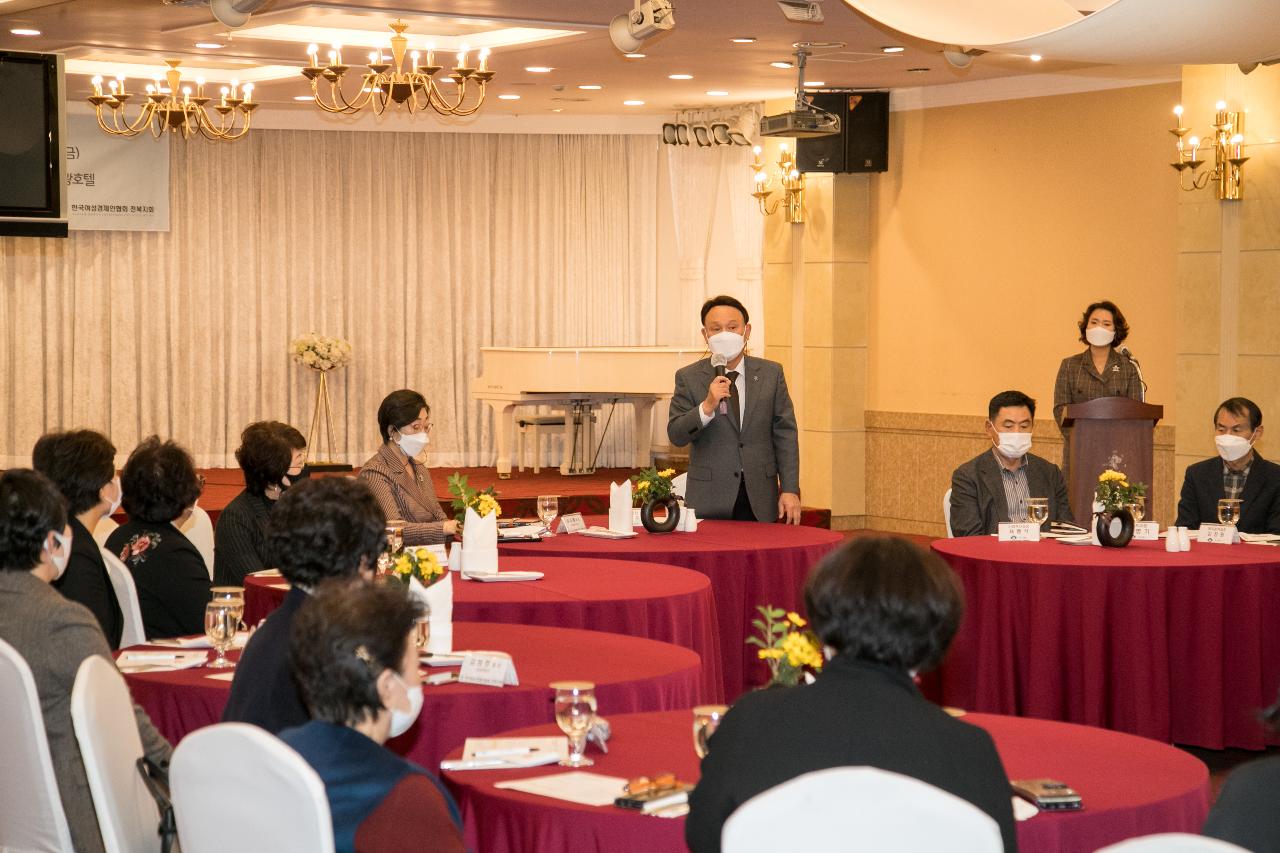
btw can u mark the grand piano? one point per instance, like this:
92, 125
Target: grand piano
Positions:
577, 380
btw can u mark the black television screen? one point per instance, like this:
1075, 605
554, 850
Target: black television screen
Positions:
31, 143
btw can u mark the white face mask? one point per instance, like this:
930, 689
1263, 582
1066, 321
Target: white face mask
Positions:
59, 560
413, 444
1013, 445
727, 344
1232, 447
1099, 336
115, 504
402, 720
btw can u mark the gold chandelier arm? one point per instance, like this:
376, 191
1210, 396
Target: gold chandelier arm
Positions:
443, 107
121, 126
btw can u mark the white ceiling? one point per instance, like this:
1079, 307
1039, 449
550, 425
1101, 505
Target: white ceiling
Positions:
144, 32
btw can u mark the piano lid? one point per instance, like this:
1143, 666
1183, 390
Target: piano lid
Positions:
646, 371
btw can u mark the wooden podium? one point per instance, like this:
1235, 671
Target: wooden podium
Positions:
1109, 432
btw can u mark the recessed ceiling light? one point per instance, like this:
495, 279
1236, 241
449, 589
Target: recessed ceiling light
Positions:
24, 31
716, 93
508, 97
210, 45
743, 39
815, 84
917, 70
679, 76
893, 48
634, 55
304, 97
633, 103
557, 109
780, 64
1035, 57
591, 87
538, 69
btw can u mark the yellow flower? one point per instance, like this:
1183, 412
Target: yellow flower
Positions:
800, 651
1109, 475
642, 486
669, 472
795, 619
769, 654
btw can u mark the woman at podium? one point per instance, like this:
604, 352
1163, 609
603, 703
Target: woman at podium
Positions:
1105, 368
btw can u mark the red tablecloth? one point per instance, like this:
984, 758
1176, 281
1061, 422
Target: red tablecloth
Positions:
664, 603
1131, 786
630, 674
749, 564
1183, 648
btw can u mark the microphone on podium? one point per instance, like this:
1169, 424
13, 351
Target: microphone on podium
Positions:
1124, 351
718, 363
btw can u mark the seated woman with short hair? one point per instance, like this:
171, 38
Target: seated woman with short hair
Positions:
160, 487
355, 660
884, 610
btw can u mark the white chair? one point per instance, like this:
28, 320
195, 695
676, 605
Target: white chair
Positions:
882, 811
106, 526
31, 815
127, 595
199, 529
1172, 842
679, 482
102, 715
946, 513
235, 774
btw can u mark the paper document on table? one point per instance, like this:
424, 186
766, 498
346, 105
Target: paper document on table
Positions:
266, 573
498, 753
142, 661
524, 531
1259, 538
597, 532
200, 642
577, 786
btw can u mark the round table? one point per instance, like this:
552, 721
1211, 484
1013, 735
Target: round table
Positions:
1182, 647
749, 563
630, 674
664, 603
1131, 786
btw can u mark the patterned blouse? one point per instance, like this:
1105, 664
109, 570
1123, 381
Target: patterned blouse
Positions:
1079, 381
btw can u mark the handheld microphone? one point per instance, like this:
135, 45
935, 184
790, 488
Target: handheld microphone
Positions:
1124, 351
718, 363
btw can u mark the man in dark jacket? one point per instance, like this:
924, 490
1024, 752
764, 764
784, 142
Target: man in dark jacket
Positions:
1239, 471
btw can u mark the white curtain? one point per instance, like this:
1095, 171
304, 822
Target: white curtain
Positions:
418, 248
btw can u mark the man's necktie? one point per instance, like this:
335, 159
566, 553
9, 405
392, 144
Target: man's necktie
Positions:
735, 407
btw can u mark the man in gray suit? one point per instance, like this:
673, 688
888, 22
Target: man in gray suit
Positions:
994, 486
745, 460
53, 635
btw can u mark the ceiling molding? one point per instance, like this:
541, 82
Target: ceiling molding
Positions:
1025, 86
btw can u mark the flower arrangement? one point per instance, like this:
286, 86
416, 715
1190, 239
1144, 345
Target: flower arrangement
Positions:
481, 502
651, 485
320, 352
1115, 492
418, 563
786, 645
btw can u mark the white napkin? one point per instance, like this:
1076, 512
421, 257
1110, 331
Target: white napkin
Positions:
620, 507
438, 599
480, 543
148, 661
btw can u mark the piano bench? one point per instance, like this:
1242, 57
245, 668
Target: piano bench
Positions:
535, 425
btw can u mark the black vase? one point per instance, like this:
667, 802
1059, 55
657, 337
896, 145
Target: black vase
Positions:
1115, 527
651, 524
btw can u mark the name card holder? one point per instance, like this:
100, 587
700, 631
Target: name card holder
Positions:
1219, 534
494, 669
1146, 531
572, 523
1019, 531
635, 518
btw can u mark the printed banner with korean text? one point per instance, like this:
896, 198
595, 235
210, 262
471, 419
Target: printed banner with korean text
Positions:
116, 183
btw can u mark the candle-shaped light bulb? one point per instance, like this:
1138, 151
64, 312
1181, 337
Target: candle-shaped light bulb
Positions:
484, 59
235, 84
784, 148
333, 57
120, 80
248, 93
1178, 110
97, 84
186, 93
760, 178
151, 90
313, 49
337, 54
225, 92
413, 57
431, 53
114, 85
373, 57
1237, 141
1220, 106
462, 56
1195, 146
755, 150
794, 174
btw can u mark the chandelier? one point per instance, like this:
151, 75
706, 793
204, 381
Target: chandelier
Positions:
392, 83
1228, 140
789, 178
175, 107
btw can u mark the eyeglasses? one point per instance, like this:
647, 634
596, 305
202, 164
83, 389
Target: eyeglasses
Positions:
645, 785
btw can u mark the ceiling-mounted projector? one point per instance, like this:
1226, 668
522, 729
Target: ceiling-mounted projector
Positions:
645, 21
804, 121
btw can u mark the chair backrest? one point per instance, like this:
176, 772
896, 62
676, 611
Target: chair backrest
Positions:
946, 512
679, 483
102, 715
105, 527
239, 772
127, 594
31, 815
199, 529
1172, 842
886, 812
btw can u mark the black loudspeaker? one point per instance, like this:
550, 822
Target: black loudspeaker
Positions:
862, 145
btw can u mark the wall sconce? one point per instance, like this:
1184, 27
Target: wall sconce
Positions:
791, 181
1228, 140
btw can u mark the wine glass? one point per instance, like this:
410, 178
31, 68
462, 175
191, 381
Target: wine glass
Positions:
706, 719
422, 633
220, 621
1228, 511
395, 535
1138, 508
575, 712
548, 509
233, 596
1038, 510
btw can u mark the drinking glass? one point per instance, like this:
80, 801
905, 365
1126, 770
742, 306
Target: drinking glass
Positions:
1228, 510
233, 597
706, 719
575, 712
1138, 509
395, 535
1038, 510
220, 622
422, 633
548, 509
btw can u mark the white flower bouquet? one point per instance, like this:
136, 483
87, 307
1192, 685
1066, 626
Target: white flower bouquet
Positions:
320, 352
